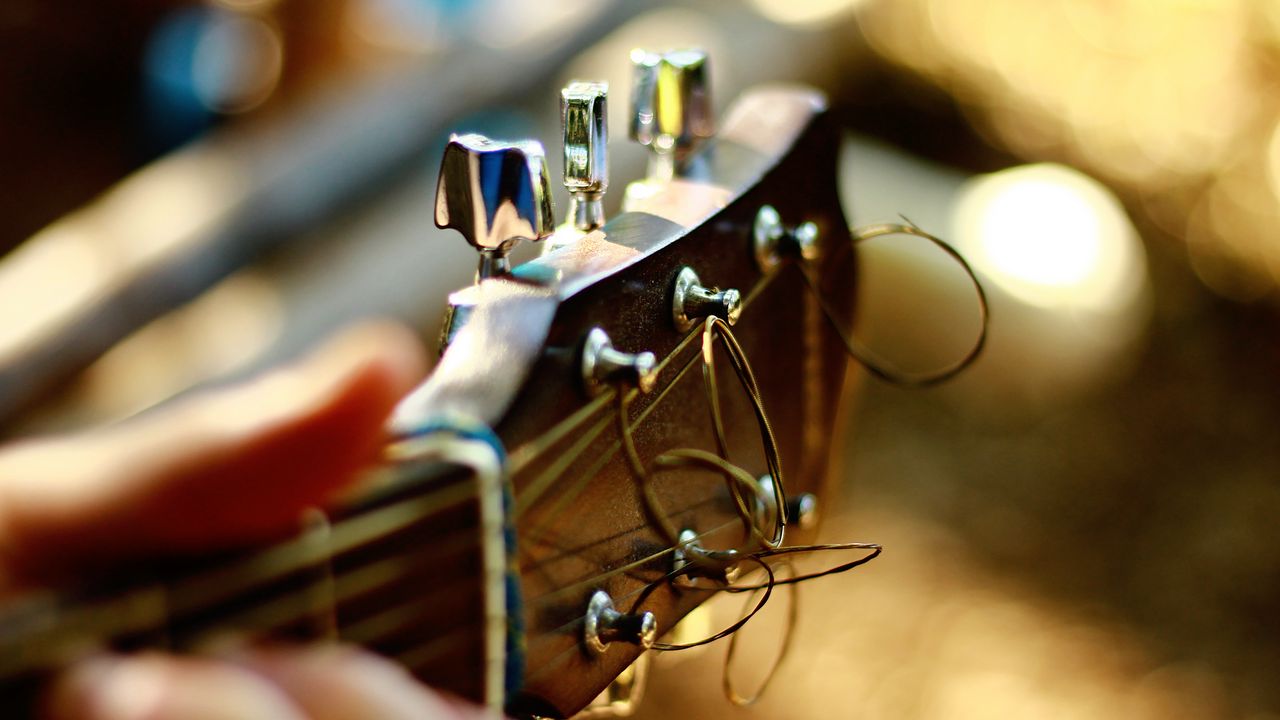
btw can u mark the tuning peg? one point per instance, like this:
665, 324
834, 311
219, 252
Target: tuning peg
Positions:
671, 106
691, 301
602, 624
495, 194
583, 116
603, 365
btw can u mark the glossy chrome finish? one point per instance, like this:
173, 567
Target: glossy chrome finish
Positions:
584, 118
774, 242
602, 625
691, 302
693, 561
495, 194
802, 508
802, 511
602, 365
671, 106
622, 697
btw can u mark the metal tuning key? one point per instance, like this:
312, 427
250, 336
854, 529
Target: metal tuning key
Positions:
691, 302
602, 625
583, 116
495, 194
602, 365
774, 241
671, 107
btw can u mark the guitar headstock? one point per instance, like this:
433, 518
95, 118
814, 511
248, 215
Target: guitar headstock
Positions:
590, 363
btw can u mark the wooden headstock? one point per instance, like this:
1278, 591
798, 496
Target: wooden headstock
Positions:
516, 365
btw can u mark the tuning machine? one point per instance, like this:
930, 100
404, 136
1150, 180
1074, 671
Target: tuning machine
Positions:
584, 121
775, 241
602, 625
671, 108
602, 365
691, 301
495, 194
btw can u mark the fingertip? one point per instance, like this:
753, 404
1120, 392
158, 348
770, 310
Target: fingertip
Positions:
386, 349
339, 681
153, 686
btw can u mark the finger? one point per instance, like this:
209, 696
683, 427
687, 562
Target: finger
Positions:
158, 687
342, 683
228, 467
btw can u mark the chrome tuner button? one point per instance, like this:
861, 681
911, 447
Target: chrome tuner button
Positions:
584, 119
603, 625
802, 508
802, 511
774, 242
671, 106
694, 561
691, 302
495, 194
602, 365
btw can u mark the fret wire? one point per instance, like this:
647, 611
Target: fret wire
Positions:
318, 530
349, 585
346, 586
136, 610
282, 559
415, 658
359, 631
273, 616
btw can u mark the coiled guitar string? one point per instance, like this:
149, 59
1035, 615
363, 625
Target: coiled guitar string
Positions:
744, 490
763, 543
754, 507
866, 357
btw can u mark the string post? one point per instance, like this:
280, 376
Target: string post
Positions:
603, 625
604, 366
776, 242
693, 561
802, 511
691, 301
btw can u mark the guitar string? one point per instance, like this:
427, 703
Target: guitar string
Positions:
715, 564
141, 608
520, 457
736, 488
560, 631
865, 356
256, 616
285, 610
280, 559
784, 649
607, 455
742, 369
271, 565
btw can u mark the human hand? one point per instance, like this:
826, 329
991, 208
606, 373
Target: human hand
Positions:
215, 471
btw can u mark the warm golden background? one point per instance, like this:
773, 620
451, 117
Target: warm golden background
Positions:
1088, 525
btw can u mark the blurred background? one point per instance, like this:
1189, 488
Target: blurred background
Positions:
1085, 525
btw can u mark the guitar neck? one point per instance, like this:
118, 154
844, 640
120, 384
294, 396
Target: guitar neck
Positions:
382, 572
